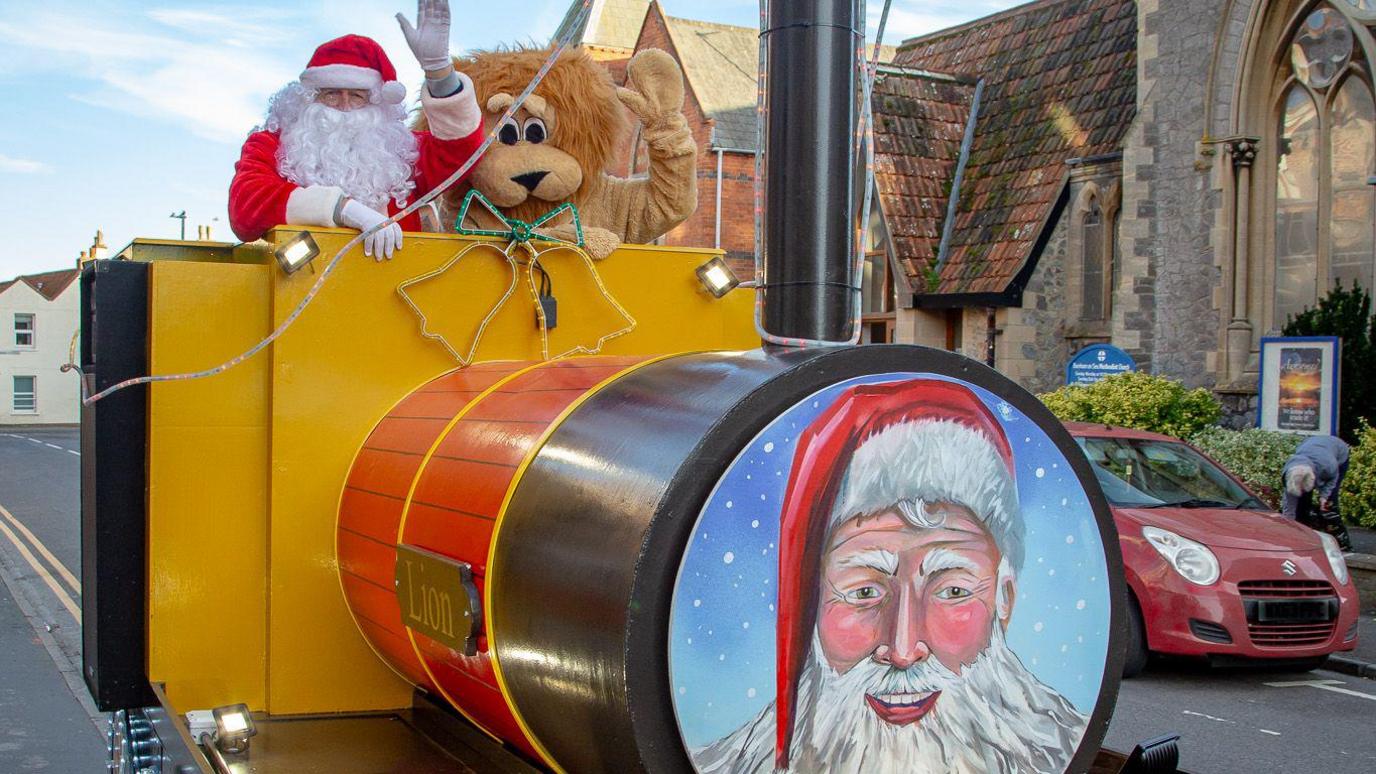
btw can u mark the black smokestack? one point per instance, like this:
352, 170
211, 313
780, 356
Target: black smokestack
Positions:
809, 168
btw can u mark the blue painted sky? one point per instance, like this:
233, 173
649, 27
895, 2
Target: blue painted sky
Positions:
722, 631
119, 112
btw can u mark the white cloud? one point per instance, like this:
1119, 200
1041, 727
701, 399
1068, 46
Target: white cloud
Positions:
208, 70
23, 166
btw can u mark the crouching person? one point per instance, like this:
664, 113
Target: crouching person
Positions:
1313, 477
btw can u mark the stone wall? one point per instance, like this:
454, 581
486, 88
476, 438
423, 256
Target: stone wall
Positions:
1033, 349
1171, 283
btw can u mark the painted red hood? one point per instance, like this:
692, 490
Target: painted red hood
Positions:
1225, 528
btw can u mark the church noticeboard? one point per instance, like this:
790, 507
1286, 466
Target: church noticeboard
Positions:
1096, 362
1299, 384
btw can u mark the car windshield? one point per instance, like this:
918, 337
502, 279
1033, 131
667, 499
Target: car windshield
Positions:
1156, 474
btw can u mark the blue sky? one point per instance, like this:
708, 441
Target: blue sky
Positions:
722, 625
120, 112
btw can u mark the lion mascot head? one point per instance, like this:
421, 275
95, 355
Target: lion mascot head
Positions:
557, 147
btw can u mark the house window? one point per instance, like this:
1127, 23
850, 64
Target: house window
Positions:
1092, 241
25, 395
877, 300
23, 330
1325, 152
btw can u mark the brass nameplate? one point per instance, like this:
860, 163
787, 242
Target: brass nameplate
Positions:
438, 598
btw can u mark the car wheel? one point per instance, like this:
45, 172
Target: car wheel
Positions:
1136, 659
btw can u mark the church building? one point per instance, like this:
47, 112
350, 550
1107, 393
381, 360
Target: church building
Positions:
1174, 177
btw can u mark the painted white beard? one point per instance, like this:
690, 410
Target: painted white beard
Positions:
994, 717
369, 153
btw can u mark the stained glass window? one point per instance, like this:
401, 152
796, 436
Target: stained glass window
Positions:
1297, 204
1352, 143
1322, 48
1092, 240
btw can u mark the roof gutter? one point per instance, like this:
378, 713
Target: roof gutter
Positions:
914, 72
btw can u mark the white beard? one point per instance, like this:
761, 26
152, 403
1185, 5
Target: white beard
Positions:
994, 717
369, 153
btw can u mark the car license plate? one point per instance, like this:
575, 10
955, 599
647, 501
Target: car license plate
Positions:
1293, 611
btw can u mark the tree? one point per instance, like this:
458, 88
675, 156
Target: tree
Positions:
1347, 315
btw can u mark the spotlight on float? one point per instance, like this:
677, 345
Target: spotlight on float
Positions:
297, 252
717, 278
226, 729
233, 728
1155, 756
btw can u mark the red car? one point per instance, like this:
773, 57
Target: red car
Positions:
1211, 570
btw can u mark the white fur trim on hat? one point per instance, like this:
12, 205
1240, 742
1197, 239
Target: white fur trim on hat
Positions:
346, 76
935, 461
341, 76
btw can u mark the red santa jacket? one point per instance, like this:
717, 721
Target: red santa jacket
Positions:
258, 194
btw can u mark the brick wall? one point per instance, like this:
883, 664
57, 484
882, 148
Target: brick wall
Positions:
737, 174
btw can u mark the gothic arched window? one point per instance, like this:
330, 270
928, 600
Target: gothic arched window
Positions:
1325, 207
1093, 274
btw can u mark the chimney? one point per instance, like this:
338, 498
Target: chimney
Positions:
809, 171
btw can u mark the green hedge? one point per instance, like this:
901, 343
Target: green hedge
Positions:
1255, 456
1137, 400
1358, 497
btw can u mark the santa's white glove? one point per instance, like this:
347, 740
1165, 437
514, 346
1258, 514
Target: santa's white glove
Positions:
429, 39
379, 245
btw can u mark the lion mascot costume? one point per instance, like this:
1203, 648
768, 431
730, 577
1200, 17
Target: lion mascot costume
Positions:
557, 146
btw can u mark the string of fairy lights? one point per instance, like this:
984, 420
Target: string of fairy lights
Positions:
863, 147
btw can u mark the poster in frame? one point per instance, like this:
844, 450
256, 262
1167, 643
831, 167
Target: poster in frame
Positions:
1299, 382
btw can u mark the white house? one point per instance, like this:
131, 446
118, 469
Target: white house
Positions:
38, 323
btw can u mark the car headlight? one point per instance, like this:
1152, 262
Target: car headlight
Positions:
1335, 557
1194, 561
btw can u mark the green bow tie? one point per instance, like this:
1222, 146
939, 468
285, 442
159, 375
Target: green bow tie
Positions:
516, 231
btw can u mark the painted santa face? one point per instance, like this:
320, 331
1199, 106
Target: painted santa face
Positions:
900, 594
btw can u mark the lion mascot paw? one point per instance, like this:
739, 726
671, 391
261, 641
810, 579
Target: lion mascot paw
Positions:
555, 148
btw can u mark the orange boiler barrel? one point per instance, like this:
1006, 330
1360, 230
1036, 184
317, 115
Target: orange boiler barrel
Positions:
535, 542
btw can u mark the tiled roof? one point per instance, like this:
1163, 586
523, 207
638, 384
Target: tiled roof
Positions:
919, 126
720, 62
612, 23
1060, 82
49, 284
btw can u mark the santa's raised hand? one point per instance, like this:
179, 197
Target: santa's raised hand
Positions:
429, 39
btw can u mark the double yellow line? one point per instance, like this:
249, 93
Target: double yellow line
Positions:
38, 567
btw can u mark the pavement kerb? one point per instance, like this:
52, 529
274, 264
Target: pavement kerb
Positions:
1351, 666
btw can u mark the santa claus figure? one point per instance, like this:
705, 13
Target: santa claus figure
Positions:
336, 150
901, 542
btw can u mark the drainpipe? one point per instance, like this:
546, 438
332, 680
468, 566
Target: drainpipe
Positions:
716, 242
990, 331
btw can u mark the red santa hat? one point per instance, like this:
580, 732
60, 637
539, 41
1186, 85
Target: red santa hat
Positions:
875, 446
354, 62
